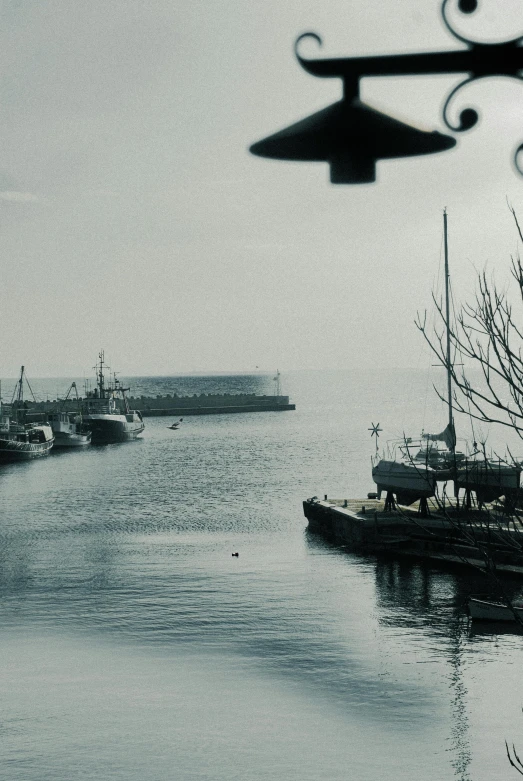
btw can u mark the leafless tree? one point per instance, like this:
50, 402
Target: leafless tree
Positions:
487, 333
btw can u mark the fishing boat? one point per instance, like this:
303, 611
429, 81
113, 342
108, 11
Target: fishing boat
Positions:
486, 609
415, 474
106, 411
21, 440
69, 428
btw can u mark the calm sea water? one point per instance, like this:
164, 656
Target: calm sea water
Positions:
134, 646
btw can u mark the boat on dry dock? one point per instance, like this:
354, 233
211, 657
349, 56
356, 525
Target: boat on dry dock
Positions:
106, 411
414, 475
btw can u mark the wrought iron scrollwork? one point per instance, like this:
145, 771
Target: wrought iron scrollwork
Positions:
468, 117
314, 37
469, 7
518, 154
476, 60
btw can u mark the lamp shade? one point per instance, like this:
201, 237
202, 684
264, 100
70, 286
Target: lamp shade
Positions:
350, 137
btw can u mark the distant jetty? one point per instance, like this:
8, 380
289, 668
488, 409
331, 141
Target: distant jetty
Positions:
203, 404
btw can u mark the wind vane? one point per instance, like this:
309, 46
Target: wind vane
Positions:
375, 432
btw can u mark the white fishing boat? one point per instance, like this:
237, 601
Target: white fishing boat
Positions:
485, 609
106, 410
69, 428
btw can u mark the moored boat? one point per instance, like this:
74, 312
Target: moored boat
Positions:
69, 428
101, 412
19, 440
485, 609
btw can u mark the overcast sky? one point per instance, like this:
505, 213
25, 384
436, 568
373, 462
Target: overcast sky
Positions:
133, 218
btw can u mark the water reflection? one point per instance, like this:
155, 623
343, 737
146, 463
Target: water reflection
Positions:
419, 603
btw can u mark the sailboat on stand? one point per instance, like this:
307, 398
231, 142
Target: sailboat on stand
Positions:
434, 458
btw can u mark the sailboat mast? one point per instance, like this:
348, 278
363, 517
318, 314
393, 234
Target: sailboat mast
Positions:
447, 323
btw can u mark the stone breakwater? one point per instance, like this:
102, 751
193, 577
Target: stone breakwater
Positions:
203, 404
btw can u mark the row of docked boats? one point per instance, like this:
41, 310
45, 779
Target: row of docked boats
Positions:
102, 417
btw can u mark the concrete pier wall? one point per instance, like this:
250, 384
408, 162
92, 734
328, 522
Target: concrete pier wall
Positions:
444, 538
180, 406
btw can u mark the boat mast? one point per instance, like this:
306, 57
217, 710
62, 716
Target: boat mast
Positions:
100, 379
20, 391
447, 325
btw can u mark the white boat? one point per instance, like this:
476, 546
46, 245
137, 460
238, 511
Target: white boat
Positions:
68, 427
107, 421
409, 481
484, 609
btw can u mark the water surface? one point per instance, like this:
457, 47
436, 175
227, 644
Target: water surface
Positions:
135, 646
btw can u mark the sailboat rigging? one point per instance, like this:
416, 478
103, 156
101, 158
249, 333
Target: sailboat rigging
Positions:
414, 476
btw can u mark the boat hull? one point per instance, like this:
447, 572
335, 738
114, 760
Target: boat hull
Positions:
13, 450
489, 480
486, 610
72, 440
108, 429
408, 481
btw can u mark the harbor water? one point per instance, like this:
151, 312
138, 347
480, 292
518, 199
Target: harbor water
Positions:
135, 646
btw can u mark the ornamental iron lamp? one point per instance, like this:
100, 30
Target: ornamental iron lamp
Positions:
351, 136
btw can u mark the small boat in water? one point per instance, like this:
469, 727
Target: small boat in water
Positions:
176, 425
69, 428
485, 609
107, 421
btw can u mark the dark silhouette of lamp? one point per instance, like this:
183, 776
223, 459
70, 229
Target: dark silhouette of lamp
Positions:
350, 136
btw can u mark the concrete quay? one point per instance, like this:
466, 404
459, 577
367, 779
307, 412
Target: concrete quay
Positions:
450, 536
181, 406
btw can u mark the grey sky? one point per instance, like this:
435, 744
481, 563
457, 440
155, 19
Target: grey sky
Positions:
133, 218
